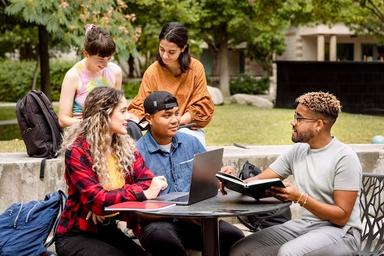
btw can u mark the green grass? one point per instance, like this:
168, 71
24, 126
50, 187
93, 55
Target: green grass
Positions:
243, 124
8, 132
15, 145
7, 113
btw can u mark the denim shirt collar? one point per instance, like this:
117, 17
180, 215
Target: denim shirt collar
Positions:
153, 146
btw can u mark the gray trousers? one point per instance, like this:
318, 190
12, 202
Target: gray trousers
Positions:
300, 237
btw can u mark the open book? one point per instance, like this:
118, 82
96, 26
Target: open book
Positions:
255, 188
139, 206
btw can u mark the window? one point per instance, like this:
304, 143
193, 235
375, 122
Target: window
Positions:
344, 51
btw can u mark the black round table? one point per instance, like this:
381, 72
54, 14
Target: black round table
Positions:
209, 210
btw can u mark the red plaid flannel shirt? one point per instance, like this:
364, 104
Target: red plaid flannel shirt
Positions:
86, 194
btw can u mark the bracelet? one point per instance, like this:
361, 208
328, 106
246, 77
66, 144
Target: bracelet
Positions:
305, 201
298, 200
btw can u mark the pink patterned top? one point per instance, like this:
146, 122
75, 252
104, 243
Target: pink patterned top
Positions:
88, 84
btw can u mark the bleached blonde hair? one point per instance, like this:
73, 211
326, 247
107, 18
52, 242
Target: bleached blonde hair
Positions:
98, 107
323, 103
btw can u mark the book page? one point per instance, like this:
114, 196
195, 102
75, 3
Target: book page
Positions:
230, 178
261, 181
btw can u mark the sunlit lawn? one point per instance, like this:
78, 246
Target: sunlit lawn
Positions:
243, 124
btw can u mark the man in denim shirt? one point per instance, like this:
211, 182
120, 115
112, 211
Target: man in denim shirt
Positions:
170, 153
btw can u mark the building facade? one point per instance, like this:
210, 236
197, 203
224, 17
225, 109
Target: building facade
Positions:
333, 43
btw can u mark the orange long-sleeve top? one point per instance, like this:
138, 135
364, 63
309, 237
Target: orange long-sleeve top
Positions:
189, 88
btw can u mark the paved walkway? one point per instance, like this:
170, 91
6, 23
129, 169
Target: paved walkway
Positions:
7, 104
8, 122
13, 104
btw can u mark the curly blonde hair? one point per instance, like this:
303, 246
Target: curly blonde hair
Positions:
99, 105
323, 103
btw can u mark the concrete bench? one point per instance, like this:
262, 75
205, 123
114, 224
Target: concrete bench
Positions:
19, 174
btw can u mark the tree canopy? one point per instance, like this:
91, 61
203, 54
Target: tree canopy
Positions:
135, 24
64, 21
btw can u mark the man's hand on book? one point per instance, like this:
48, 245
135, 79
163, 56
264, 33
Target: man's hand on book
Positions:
289, 193
231, 170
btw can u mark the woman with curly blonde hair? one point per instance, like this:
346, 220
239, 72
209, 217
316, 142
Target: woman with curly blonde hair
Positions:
102, 167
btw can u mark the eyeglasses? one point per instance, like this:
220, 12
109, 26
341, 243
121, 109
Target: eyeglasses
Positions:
301, 118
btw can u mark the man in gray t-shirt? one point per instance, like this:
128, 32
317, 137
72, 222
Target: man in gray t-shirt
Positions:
327, 177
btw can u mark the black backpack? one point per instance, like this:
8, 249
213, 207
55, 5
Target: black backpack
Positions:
25, 227
39, 126
262, 220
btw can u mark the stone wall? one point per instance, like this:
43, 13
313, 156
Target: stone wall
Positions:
20, 182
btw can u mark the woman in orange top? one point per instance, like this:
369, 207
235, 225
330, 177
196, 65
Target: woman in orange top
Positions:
177, 72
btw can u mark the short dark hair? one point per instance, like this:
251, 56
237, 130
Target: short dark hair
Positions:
98, 42
159, 100
176, 33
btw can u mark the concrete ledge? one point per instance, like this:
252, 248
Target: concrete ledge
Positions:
20, 182
19, 174
371, 155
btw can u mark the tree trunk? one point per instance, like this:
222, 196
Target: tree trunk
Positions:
45, 84
35, 73
223, 66
131, 65
215, 61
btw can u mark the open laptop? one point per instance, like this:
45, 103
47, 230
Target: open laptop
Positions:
204, 183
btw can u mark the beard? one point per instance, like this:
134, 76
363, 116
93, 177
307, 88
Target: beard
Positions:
302, 137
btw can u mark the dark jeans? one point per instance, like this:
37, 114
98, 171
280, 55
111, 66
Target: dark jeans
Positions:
109, 241
174, 237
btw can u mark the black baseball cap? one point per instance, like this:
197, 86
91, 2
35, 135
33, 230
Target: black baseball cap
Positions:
159, 100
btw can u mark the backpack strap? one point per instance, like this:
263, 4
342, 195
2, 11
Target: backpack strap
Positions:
63, 199
42, 168
48, 116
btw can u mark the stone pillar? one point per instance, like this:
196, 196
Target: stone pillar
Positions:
333, 48
357, 51
273, 82
320, 47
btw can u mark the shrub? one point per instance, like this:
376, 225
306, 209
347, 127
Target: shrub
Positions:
131, 88
16, 78
249, 85
58, 68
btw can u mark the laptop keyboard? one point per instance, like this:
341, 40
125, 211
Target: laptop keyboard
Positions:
180, 199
